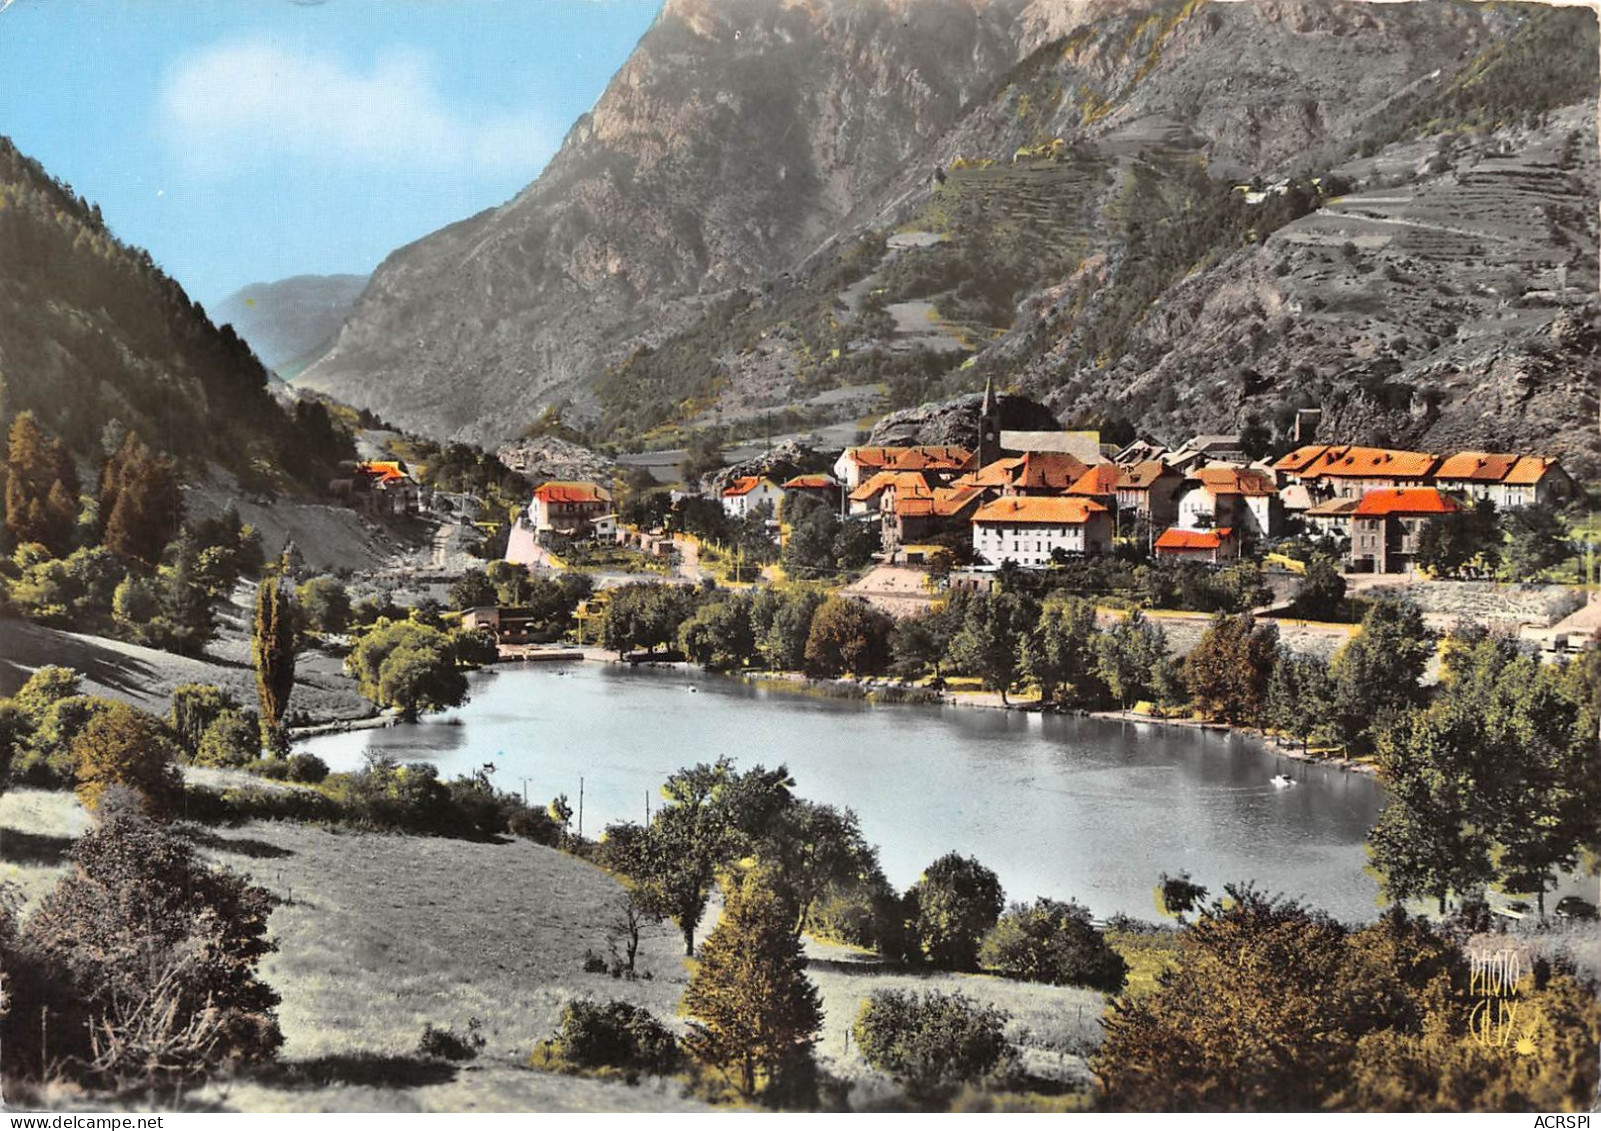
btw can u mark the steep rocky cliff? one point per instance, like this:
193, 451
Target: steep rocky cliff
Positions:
735, 139
1182, 214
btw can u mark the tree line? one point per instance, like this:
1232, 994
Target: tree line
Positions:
119, 560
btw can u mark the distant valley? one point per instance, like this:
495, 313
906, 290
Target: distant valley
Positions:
291, 323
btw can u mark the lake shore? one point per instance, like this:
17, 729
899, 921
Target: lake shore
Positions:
883, 691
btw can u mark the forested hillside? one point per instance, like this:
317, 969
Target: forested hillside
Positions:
97, 342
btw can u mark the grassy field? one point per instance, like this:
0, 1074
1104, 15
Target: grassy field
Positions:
380, 935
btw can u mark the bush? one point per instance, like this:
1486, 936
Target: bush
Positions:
233, 738
306, 769
615, 1035
128, 748
161, 950
447, 1044
1053, 942
933, 1044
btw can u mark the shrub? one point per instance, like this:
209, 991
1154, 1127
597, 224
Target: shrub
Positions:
307, 768
933, 1044
195, 706
615, 1035
233, 738
161, 950
126, 747
447, 1044
1053, 942
45, 760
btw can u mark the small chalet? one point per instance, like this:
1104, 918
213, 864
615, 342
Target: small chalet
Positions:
941, 461
1029, 530
749, 492
1241, 498
1508, 481
570, 509
1213, 546
1387, 525
381, 487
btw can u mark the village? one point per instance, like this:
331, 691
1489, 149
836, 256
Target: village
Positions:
942, 518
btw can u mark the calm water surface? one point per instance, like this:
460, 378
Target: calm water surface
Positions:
1064, 807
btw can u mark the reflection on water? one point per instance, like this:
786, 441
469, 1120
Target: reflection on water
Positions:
1058, 806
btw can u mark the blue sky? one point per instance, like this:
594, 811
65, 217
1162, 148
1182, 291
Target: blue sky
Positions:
245, 141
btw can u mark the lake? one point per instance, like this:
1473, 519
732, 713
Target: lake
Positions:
1066, 807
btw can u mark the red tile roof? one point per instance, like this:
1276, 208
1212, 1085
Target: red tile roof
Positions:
817, 482
1143, 475
384, 472
1475, 467
1000, 473
1039, 509
1175, 539
1529, 470
1404, 500
560, 492
1098, 480
927, 457
876, 485
940, 502
1345, 462
744, 485
1301, 458
1234, 481
1050, 471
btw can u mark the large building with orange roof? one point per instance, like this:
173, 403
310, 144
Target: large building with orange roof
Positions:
1509, 481
1351, 471
568, 507
1030, 529
1387, 526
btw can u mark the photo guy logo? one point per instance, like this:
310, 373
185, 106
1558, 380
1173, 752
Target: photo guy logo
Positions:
1493, 977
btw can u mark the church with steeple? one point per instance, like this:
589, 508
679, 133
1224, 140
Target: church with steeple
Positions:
989, 426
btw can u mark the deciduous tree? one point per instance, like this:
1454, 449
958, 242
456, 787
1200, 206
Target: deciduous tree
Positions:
958, 900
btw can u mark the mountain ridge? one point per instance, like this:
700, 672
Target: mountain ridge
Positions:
682, 206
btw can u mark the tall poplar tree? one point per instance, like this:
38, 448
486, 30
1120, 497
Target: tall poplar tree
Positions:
272, 646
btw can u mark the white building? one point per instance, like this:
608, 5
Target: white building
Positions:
749, 492
1029, 529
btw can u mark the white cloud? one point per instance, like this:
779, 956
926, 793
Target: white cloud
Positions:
234, 108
